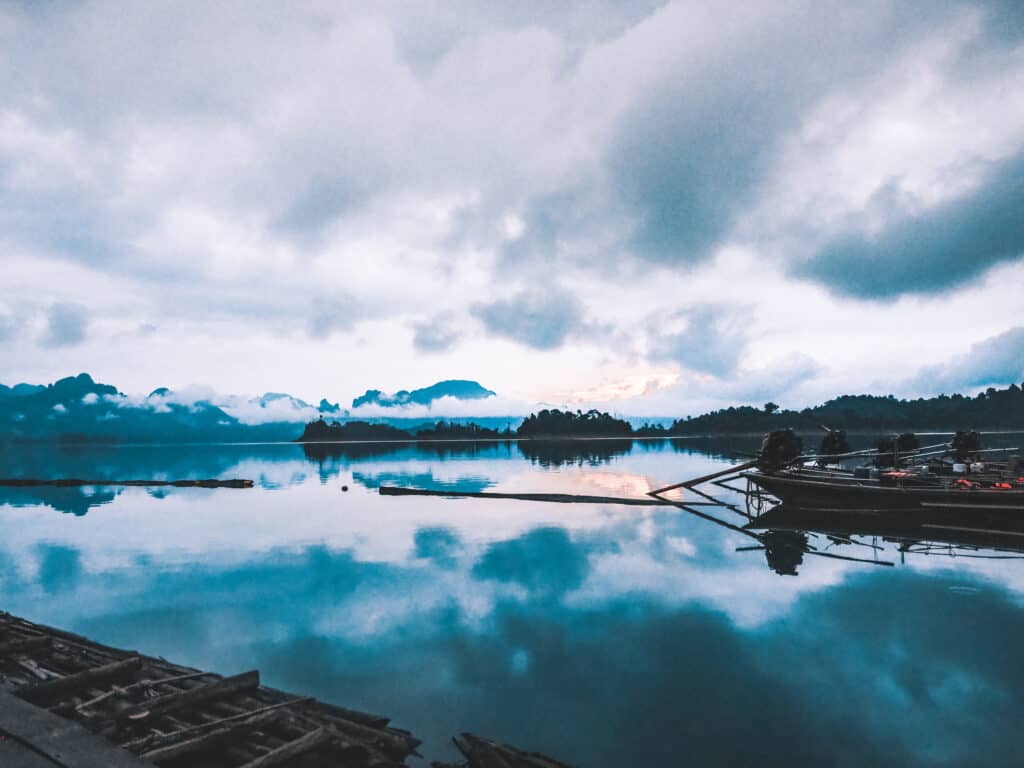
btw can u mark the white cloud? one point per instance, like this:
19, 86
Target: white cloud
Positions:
331, 232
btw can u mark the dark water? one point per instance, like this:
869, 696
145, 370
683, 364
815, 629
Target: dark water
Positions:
604, 635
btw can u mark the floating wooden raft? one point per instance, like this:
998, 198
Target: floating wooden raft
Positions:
169, 715
72, 482
484, 753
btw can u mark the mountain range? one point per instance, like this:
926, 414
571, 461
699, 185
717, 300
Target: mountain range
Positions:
80, 409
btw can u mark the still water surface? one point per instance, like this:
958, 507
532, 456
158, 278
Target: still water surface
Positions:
603, 635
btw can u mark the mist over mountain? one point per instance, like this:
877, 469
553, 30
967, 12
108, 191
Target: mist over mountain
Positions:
460, 389
80, 409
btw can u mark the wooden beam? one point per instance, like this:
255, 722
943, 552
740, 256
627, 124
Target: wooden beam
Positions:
558, 498
73, 482
246, 681
64, 742
291, 749
158, 740
80, 681
704, 478
209, 738
24, 644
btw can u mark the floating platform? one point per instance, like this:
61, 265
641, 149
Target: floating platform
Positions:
67, 701
75, 482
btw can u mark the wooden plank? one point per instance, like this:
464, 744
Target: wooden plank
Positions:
14, 754
210, 738
704, 478
73, 482
227, 686
24, 644
291, 749
80, 681
557, 498
157, 740
63, 741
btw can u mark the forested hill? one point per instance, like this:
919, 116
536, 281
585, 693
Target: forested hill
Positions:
992, 409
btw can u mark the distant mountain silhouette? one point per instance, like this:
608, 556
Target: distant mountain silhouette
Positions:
460, 389
79, 409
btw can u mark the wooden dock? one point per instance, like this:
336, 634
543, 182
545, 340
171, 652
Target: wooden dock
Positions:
66, 701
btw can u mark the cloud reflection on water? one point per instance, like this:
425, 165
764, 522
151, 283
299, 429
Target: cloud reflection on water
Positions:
604, 635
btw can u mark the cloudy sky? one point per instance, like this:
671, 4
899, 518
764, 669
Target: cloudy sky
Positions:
654, 207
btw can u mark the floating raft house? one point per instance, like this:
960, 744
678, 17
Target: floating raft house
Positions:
68, 702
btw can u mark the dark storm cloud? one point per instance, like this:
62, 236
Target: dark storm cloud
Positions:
932, 251
437, 334
696, 150
545, 560
66, 325
713, 340
995, 361
538, 318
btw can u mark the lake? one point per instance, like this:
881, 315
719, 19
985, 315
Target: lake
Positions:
603, 635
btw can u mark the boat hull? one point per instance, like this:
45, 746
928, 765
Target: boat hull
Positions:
851, 496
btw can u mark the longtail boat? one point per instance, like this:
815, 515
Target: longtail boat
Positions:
901, 476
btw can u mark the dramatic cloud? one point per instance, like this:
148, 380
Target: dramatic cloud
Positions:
711, 340
66, 325
996, 361
539, 318
930, 250
394, 188
435, 335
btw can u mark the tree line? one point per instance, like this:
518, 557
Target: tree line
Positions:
991, 409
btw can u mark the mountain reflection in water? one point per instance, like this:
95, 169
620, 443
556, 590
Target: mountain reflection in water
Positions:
603, 635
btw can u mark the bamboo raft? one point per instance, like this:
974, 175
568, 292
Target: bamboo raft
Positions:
67, 701
73, 482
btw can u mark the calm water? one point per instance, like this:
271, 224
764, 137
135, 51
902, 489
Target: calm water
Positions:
604, 635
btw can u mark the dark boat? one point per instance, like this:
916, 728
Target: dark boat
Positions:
902, 478
895, 491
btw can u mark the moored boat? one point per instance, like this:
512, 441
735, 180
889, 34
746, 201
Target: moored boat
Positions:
909, 478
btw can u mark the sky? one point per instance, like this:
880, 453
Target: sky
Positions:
654, 208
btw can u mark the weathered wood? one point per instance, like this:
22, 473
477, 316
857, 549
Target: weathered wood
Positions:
63, 741
71, 482
291, 749
191, 697
484, 753
557, 498
704, 478
389, 740
121, 691
157, 740
210, 738
80, 681
25, 644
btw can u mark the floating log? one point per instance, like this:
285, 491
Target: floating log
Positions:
74, 482
557, 498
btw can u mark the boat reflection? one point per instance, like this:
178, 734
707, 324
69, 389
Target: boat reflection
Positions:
787, 534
